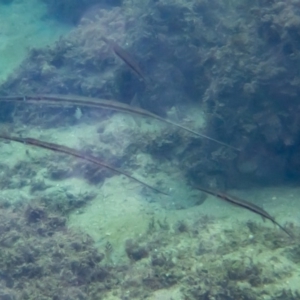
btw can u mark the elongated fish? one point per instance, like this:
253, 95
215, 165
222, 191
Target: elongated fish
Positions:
126, 57
102, 104
73, 152
244, 204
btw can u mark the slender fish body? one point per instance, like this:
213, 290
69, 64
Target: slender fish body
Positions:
246, 205
73, 152
126, 57
102, 104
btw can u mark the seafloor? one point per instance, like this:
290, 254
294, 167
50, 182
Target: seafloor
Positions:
71, 231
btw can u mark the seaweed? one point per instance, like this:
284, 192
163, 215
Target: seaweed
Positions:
135, 251
36, 244
181, 226
243, 86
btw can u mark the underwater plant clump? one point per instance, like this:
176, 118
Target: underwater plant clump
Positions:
241, 73
80, 63
231, 264
37, 248
245, 68
210, 261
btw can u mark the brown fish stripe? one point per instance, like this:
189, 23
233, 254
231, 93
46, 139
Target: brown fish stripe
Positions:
103, 104
244, 204
75, 153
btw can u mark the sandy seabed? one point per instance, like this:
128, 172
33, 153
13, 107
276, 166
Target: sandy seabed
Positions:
207, 251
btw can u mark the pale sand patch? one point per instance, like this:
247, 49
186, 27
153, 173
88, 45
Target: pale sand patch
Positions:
23, 26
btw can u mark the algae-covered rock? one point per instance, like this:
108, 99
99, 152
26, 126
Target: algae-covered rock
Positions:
64, 201
37, 248
244, 75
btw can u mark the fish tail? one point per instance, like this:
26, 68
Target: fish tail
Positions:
285, 230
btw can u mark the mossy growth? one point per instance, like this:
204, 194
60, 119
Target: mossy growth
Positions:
205, 265
64, 202
293, 253
56, 263
36, 247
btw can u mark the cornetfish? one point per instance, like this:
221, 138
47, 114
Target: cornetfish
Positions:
125, 56
244, 204
73, 152
101, 104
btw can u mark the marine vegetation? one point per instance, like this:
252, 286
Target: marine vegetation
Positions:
233, 65
240, 74
58, 263
37, 247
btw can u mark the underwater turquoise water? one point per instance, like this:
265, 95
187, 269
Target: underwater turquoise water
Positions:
128, 130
